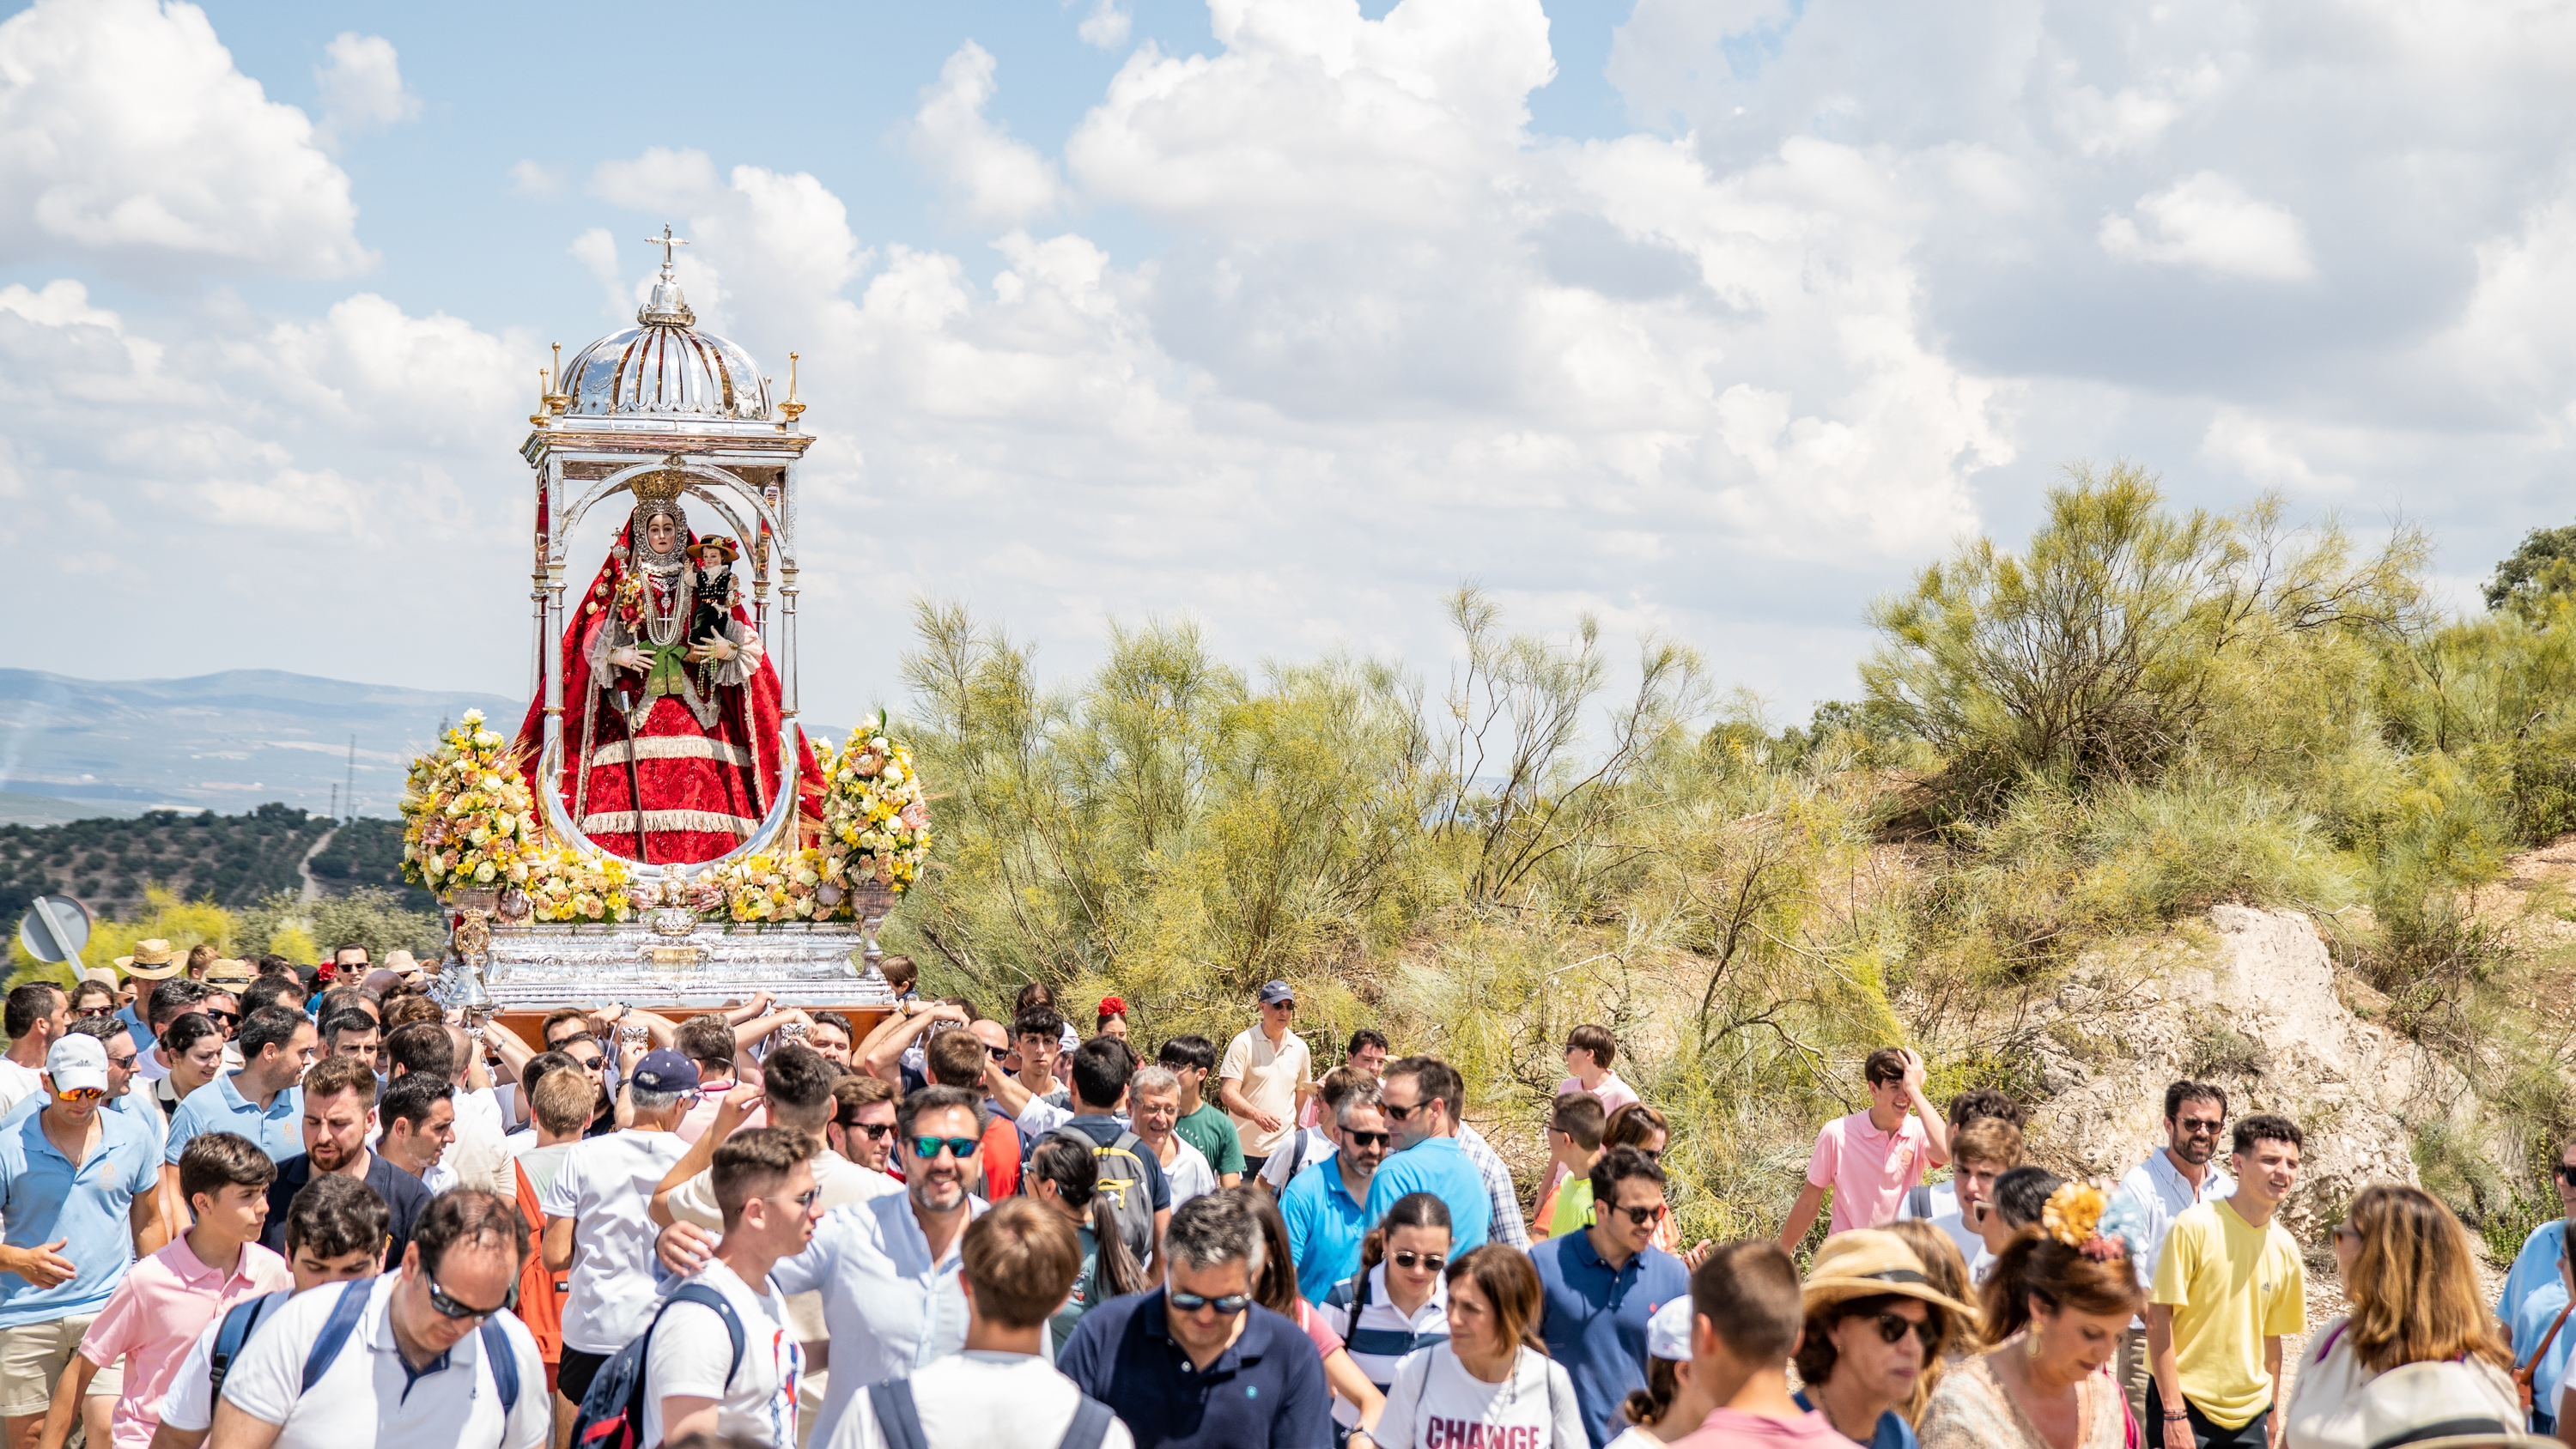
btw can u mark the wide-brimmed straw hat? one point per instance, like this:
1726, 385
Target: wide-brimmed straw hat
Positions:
401, 963
2439, 1405
1865, 1263
153, 960
228, 972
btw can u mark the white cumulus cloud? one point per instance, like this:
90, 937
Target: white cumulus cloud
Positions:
127, 137
2207, 221
990, 178
361, 87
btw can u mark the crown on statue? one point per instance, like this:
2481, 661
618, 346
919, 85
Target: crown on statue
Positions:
662, 485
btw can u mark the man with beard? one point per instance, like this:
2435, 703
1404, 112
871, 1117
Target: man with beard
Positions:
2177, 1176
888, 1267
1327, 1208
339, 1108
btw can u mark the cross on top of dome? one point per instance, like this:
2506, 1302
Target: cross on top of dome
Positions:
666, 305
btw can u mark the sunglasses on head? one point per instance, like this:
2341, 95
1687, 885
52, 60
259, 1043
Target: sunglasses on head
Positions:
1228, 1306
1365, 1139
1408, 1259
927, 1148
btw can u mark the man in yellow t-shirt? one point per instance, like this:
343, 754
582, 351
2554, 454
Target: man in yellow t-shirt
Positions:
2228, 1285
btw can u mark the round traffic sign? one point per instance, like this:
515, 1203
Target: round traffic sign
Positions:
55, 928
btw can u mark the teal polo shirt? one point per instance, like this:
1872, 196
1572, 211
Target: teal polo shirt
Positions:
1325, 1225
43, 1197
219, 1106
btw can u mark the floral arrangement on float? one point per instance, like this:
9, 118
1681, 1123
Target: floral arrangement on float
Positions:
875, 817
468, 820
471, 824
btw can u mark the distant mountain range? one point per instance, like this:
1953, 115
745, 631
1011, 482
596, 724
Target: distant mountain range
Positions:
222, 742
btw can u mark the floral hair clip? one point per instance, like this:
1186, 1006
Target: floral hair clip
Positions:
2074, 1217
1112, 1006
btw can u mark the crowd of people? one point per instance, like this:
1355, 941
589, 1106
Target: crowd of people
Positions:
251, 1205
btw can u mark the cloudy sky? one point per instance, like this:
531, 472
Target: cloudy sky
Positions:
1714, 317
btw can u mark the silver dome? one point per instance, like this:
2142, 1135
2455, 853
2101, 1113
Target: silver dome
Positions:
663, 367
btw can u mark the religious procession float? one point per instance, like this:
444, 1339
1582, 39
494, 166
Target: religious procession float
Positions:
660, 832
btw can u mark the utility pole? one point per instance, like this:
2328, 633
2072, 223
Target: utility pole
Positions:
351, 797
335, 800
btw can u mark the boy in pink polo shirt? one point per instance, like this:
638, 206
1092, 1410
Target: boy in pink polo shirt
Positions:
1868, 1159
167, 1299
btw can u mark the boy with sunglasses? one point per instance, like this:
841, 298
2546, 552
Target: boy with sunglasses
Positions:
1603, 1285
768, 1203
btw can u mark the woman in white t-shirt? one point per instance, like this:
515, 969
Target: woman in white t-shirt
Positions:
2412, 1282
1491, 1377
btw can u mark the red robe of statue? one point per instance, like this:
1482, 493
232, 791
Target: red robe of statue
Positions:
703, 751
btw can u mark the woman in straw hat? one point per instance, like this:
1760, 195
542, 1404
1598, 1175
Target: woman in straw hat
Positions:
1875, 1326
2057, 1306
2413, 1286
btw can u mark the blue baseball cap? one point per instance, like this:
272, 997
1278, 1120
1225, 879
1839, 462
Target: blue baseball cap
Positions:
664, 1070
1277, 992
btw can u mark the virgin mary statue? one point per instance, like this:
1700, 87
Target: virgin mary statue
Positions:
671, 707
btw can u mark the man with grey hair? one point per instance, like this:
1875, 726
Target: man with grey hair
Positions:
1326, 1206
1154, 1098
599, 1222
1196, 1364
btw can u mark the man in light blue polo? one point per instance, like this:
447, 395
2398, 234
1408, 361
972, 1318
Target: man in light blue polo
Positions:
261, 1101
1422, 1097
1326, 1206
76, 1194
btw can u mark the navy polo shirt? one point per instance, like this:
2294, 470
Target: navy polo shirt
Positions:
1267, 1389
1594, 1320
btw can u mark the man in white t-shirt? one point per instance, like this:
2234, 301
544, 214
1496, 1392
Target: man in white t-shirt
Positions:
36, 1013
1266, 1072
764, 1185
598, 1223
1000, 1392
415, 1368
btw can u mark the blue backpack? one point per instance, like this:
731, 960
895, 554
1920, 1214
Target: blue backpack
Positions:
612, 1412
241, 1318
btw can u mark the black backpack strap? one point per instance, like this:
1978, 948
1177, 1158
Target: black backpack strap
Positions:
336, 1330
898, 1416
706, 1297
1090, 1425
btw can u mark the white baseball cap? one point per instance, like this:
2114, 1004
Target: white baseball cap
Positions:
1668, 1332
76, 1061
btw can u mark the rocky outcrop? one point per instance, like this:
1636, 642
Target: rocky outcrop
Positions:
2250, 1004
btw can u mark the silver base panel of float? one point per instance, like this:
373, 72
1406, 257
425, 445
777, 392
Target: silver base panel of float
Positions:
541, 967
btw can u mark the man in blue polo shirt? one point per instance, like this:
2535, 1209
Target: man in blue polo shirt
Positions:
76, 1195
1196, 1364
261, 1101
1326, 1207
1604, 1283
1422, 1097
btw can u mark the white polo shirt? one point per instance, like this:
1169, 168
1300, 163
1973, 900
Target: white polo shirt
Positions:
369, 1394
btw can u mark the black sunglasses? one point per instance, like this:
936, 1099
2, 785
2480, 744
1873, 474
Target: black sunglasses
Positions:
1408, 1259
1366, 1139
2567, 1173
874, 1130
1000, 1054
1892, 1328
226, 1017
1230, 1305
1642, 1215
453, 1308
1395, 1113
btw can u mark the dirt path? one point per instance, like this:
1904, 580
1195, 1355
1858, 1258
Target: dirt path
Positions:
304, 867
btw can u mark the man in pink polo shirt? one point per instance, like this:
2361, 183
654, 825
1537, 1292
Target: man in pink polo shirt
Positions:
1869, 1159
167, 1299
